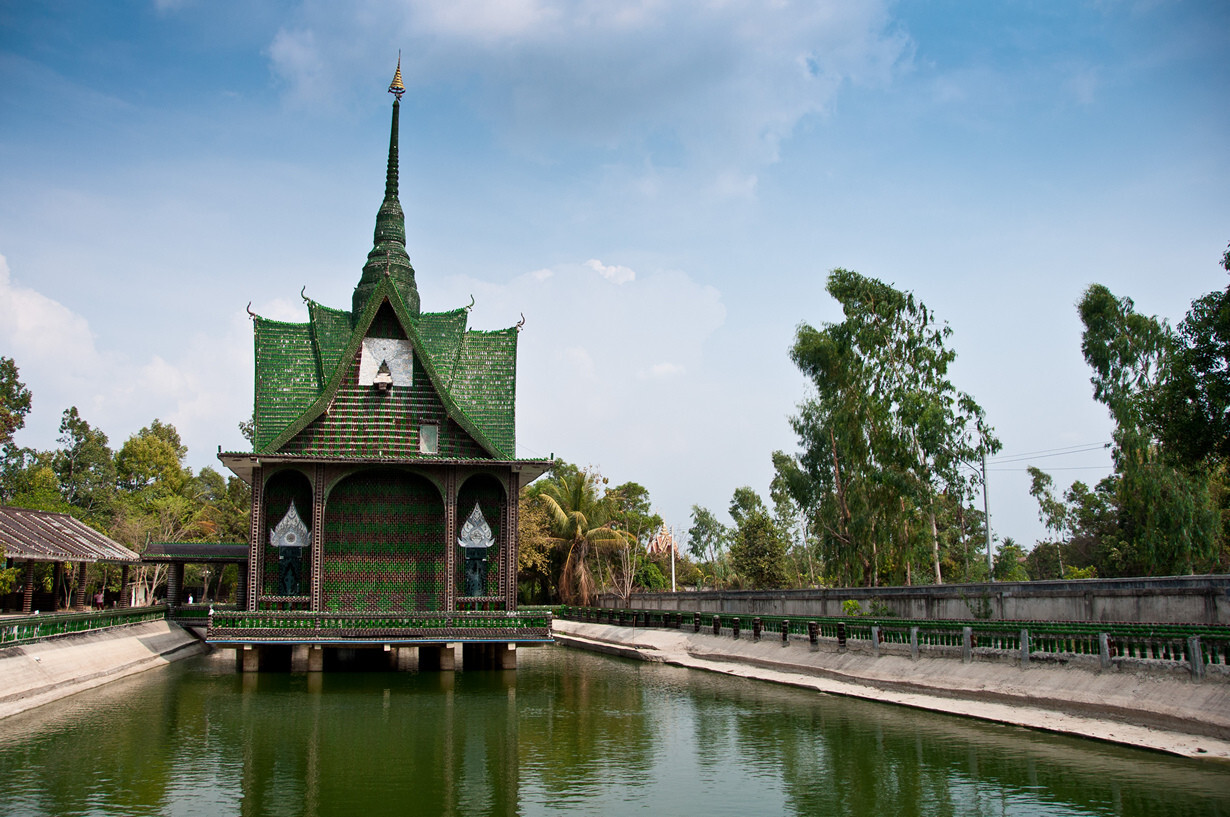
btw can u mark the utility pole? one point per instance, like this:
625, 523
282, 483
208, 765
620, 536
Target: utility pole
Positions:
986, 508
674, 547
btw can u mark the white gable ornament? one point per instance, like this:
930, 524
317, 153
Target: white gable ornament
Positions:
476, 537
290, 537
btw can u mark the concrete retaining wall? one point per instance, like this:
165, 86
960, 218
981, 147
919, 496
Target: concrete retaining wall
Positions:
1169, 600
1153, 707
36, 674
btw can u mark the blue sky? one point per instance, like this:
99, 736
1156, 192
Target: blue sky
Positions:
661, 188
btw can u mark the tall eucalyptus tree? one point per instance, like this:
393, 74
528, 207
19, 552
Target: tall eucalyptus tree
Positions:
885, 433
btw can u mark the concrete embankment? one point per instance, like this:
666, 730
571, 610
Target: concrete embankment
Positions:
39, 673
1155, 708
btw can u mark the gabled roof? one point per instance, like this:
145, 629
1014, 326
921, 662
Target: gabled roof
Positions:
299, 368
41, 536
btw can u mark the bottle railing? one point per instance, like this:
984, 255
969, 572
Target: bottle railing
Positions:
1196, 645
240, 625
18, 630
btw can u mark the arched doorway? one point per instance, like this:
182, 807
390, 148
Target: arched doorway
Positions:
383, 544
487, 493
282, 488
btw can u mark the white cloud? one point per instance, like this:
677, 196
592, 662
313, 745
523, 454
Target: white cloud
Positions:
726, 80
663, 370
200, 383
614, 274
594, 359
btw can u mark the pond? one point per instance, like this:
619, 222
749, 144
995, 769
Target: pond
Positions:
567, 733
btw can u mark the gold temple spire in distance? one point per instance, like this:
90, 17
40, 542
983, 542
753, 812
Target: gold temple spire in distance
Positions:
397, 87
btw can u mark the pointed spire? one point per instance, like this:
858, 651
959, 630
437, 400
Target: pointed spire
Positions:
396, 86
388, 256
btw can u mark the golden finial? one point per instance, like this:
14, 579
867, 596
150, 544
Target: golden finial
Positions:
396, 86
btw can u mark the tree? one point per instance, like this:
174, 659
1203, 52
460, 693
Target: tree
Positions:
579, 517
533, 550
152, 456
85, 467
1052, 511
1164, 499
758, 547
885, 434
1010, 562
707, 539
15, 400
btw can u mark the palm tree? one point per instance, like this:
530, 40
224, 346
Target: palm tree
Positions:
580, 521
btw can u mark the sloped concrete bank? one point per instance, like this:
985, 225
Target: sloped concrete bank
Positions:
1160, 709
37, 674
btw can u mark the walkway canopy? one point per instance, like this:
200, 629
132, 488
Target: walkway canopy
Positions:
39, 536
57, 538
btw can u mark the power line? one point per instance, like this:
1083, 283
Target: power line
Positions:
1063, 468
1051, 452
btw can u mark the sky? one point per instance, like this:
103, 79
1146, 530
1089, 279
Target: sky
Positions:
660, 188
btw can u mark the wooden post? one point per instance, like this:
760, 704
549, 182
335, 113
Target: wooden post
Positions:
79, 596
27, 594
57, 581
124, 598
175, 584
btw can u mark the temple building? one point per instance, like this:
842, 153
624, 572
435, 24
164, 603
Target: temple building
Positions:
384, 474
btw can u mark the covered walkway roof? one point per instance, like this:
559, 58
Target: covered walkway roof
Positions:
195, 552
40, 536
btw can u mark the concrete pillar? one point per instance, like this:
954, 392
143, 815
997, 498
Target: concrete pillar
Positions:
1104, 650
967, 645
440, 657
407, 658
299, 658
506, 656
316, 658
1195, 657
757, 628
913, 643
875, 641
27, 593
1024, 648
251, 660
124, 595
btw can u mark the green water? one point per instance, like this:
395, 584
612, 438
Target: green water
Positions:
567, 733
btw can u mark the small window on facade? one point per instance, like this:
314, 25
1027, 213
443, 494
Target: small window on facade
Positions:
429, 439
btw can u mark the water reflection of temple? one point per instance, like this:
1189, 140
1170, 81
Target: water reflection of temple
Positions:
384, 477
